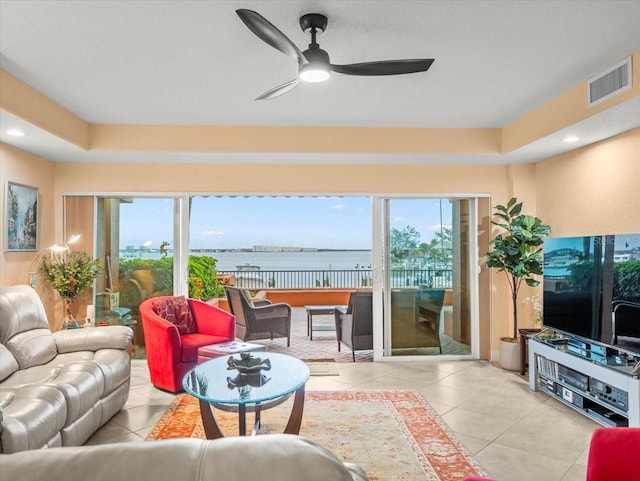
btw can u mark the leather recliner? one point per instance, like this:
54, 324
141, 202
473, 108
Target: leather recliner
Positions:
273, 457
56, 389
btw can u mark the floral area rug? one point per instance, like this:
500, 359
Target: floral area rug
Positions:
392, 435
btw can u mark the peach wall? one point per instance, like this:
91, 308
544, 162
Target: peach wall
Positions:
24, 168
522, 184
278, 178
261, 139
593, 190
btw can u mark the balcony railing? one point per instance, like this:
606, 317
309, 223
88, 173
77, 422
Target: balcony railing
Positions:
353, 278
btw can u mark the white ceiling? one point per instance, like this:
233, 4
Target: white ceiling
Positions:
195, 62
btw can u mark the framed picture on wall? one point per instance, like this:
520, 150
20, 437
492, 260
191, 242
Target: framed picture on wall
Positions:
21, 218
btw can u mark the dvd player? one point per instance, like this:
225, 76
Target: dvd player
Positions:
573, 378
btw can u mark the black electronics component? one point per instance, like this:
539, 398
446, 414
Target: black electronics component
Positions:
606, 417
609, 394
547, 385
569, 396
573, 378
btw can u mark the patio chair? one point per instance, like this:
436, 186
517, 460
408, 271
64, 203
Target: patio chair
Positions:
428, 316
415, 317
259, 320
354, 324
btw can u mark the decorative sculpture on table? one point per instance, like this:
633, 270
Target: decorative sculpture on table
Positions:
249, 372
69, 273
247, 364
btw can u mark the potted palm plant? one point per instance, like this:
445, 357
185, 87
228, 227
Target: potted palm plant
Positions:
69, 273
517, 252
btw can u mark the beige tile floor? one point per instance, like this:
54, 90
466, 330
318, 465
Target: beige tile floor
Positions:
516, 434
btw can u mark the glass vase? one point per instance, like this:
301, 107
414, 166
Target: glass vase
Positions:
68, 321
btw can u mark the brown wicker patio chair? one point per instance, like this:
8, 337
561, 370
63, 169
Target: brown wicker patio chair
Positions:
262, 321
415, 315
354, 324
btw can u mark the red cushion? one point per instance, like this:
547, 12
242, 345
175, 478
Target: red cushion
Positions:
191, 343
176, 310
614, 455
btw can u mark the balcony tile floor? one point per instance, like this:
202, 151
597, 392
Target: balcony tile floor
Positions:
516, 434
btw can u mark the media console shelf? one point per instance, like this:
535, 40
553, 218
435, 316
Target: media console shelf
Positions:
599, 381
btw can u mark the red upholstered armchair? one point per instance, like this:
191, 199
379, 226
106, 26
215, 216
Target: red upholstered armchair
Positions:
614, 455
172, 347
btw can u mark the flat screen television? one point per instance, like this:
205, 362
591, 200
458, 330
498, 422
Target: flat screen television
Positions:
592, 288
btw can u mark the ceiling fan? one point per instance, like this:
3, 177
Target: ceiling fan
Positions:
313, 63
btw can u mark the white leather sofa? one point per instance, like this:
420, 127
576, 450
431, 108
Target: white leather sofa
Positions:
56, 389
270, 457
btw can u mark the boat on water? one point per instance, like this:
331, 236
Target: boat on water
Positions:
248, 276
248, 267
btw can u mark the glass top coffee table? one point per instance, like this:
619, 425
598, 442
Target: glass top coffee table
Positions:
259, 382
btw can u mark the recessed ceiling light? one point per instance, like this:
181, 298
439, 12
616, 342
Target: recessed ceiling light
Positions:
570, 139
15, 133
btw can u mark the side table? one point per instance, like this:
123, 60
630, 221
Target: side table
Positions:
525, 334
317, 311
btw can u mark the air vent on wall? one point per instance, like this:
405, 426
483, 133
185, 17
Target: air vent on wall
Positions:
613, 81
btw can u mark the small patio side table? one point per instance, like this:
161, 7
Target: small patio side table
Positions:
318, 311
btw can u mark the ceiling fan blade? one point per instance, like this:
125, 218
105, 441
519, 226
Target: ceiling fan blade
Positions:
384, 67
270, 34
279, 90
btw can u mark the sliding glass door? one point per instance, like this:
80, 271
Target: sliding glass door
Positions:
423, 265
136, 241
426, 288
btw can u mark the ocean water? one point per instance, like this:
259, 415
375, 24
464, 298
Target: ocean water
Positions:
275, 261
292, 261
328, 266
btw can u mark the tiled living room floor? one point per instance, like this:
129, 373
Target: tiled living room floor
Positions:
517, 434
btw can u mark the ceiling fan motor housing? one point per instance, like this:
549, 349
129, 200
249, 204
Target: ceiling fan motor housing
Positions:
316, 55
313, 20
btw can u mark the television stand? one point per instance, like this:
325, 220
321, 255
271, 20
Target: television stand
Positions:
597, 380
525, 334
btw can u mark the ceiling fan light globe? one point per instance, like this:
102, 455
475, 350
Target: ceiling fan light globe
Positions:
317, 67
314, 73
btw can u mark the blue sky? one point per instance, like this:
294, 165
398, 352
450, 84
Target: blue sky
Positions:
321, 222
